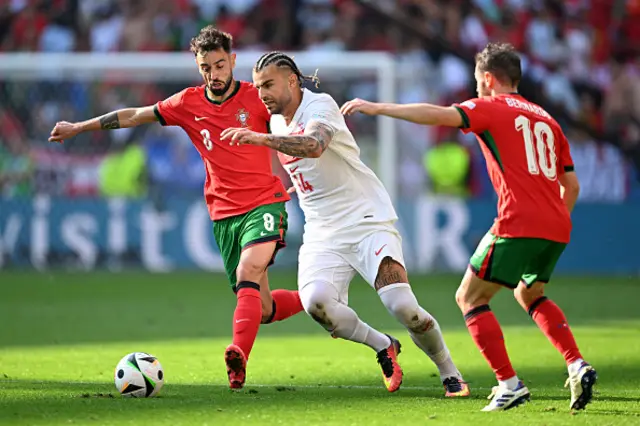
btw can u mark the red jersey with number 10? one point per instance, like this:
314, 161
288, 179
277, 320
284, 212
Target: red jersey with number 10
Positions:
239, 178
525, 150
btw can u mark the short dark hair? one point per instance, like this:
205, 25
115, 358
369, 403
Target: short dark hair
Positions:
501, 60
280, 59
209, 39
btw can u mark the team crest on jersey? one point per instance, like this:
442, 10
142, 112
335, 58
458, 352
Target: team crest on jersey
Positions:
243, 117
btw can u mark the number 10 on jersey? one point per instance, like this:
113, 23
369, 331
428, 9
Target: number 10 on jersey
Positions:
544, 141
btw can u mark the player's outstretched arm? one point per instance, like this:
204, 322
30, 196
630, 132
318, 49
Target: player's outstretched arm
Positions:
120, 119
315, 140
417, 113
570, 189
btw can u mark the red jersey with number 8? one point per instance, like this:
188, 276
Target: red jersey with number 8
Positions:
238, 178
525, 151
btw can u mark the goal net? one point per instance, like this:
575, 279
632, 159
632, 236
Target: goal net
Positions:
67, 214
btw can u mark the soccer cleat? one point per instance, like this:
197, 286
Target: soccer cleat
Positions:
581, 382
236, 366
504, 399
391, 371
455, 387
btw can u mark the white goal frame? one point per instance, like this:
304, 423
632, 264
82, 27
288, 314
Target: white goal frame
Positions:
161, 66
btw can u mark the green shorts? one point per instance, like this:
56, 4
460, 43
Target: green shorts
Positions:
508, 261
234, 234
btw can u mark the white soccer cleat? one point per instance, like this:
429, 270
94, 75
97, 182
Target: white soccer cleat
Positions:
505, 399
581, 381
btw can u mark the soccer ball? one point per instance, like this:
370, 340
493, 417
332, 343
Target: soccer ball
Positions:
139, 375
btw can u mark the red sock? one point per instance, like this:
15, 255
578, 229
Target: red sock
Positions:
553, 324
485, 331
286, 303
246, 319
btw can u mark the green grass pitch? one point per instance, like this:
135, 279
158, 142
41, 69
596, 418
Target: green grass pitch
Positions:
61, 335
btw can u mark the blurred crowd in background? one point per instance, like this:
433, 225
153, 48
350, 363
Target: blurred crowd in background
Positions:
581, 60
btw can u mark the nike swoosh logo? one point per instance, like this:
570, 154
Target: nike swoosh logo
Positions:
262, 234
380, 250
242, 320
293, 170
201, 118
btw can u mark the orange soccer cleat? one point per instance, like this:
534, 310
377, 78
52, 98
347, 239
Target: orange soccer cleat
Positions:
236, 366
391, 371
455, 387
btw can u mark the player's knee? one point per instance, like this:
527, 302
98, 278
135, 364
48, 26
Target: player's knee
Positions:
473, 292
249, 270
317, 300
401, 302
467, 300
460, 297
528, 295
413, 317
405, 309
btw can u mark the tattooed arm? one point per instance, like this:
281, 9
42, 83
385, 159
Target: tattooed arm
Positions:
311, 144
128, 117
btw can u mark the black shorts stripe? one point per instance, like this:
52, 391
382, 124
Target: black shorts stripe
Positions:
487, 272
493, 280
266, 239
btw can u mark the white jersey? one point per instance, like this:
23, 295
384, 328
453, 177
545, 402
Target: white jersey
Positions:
337, 191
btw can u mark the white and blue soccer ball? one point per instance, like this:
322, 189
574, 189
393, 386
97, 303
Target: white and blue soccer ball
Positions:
139, 375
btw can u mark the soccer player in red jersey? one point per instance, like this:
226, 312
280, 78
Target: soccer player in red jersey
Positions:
531, 169
245, 200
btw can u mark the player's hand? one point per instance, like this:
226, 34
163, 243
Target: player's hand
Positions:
63, 130
242, 136
359, 105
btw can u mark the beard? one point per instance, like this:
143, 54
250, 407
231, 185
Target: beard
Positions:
219, 91
277, 106
274, 108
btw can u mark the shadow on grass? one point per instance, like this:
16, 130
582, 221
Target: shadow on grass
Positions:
63, 308
56, 401
90, 403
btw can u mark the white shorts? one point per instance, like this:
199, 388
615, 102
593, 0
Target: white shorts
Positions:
337, 264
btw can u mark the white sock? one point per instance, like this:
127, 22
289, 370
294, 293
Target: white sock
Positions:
575, 365
432, 343
423, 328
510, 384
364, 333
320, 301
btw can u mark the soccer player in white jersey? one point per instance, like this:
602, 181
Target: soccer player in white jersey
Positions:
349, 225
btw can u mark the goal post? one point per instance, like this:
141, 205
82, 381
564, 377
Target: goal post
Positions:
179, 67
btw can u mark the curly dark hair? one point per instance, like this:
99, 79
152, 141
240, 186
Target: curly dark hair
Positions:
210, 38
501, 60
